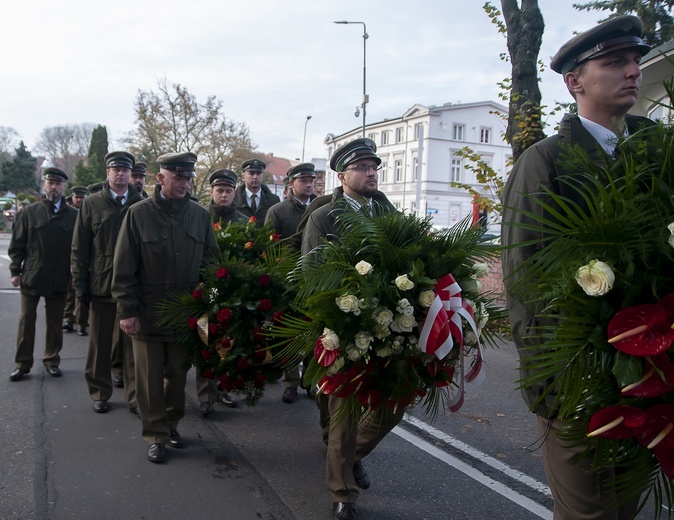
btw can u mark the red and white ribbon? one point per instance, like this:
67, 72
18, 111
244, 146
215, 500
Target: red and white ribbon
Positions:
443, 325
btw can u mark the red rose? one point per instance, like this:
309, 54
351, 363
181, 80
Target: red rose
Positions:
216, 226
260, 380
223, 315
192, 323
208, 374
225, 382
206, 354
249, 245
222, 273
260, 352
226, 343
213, 328
197, 293
258, 335
242, 364
252, 219
277, 316
239, 382
264, 280
274, 237
265, 304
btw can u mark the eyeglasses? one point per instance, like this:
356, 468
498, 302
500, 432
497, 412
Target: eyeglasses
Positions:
364, 168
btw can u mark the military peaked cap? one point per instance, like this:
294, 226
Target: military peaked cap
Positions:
55, 174
253, 165
223, 176
78, 190
181, 163
301, 170
119, 159
362, 148
139, 169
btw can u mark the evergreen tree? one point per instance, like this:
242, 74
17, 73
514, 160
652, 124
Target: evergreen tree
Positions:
83, 176
19, 173
97, 152
656, 16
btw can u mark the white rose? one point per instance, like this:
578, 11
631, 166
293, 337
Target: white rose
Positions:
596, 278
403, 323
348, 303
382, 332
353, 353
426, 298
335, 367
329, 339
404, 283
363, 268
384, 352
481, 269
398, 341
413, 340
363, 340
403, 306
671, 237
382, 316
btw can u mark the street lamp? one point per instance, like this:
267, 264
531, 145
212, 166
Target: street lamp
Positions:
304, 140
365, 37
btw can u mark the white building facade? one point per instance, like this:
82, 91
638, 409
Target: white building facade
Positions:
419, 156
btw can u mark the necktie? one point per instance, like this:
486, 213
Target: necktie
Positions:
253, 205
119, 199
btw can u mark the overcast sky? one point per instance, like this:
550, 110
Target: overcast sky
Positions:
271, 62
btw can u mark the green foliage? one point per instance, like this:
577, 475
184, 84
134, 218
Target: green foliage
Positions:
98, 149
19, 173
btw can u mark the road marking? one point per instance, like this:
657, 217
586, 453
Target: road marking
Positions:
503, 490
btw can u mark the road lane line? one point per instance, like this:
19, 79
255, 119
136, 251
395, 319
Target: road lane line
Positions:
479, 455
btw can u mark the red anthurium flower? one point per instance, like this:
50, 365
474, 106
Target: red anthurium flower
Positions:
264, 280
659, 427
222, 273
264, 305
197, 293
667, 303
223, 315
617, 422
206, 354
192, 323
325, 357
653, 384
371, 398
641, 330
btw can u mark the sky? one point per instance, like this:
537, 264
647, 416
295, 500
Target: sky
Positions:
271, 62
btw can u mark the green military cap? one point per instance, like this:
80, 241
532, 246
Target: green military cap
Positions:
223, 176
362, 148
94, 187
139, 168
55, 174
181, 163
253, 165
621, 32
119, 159
78, 190
301, 170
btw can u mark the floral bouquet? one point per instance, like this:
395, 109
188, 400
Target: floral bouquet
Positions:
389, 310
603, 278
222, 323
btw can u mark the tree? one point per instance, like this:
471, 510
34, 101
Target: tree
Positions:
172, 120
19, 173
656, 16
98, 149
65, 144
8, 138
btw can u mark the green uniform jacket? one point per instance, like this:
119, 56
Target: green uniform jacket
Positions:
538, 166
266, 200
286, 215
39, 249
93, 246
320, 224
225, 214
162, 246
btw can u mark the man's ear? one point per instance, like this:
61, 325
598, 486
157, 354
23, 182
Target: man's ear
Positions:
340, 176
160, 177
573, 82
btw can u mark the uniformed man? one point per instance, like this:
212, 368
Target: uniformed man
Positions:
349, 441
75, 312
93, 247
285, 217
223, 188
254, 198
165, 242
95, 187
139, 177
39, 253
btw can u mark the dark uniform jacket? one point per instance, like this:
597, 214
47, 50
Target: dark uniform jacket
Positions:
265, 201
162, 246
320, 224
538, 166
286, 215
93, 246
225, 214
39, 249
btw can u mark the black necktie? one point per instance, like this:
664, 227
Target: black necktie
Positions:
119, 199
253, 205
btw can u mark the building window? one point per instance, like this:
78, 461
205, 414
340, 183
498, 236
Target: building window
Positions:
383, 172
455, 173
400, 134
418, 130
398, 164
384, 138
415, 168
457, 133
372, 136
485, 135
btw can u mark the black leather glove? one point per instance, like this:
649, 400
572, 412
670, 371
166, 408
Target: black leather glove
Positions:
83, 297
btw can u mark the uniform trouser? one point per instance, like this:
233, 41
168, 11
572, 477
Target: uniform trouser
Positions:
128, 366
117, 355
349, 442
580, 492
25, 340
291, 375
74, 311
207, 389
161, 372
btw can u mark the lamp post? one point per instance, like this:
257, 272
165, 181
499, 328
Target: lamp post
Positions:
304, 140
365, 37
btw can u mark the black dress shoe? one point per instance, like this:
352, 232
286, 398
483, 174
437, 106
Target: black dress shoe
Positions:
156, 452
133, 410
82, 332
206, 408
289, 395
343, 511
118, 380
175, 440
100, 406
226, 400
17, 374
68, 325
54, 371
361, 476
